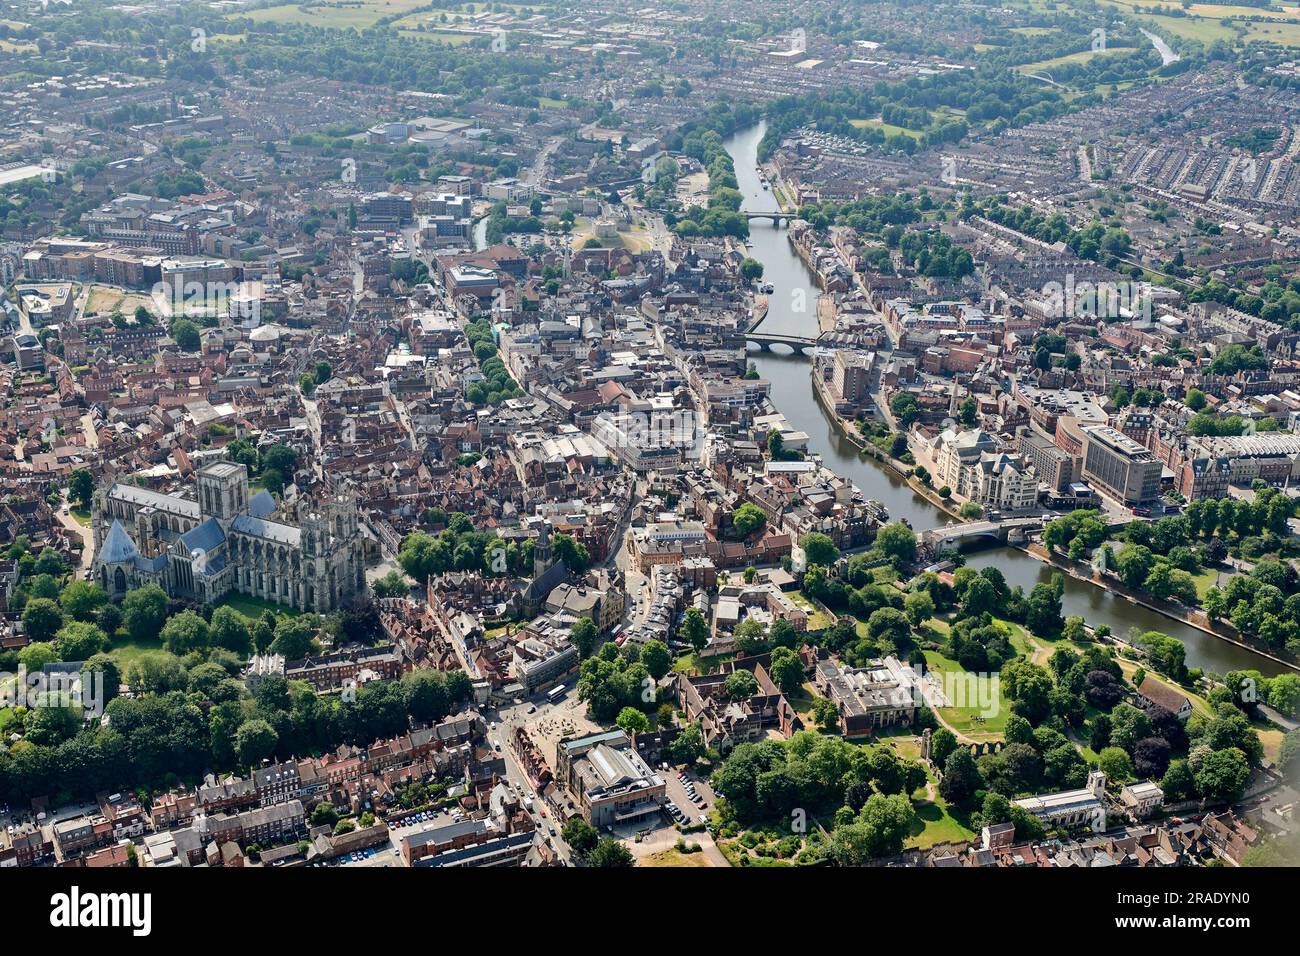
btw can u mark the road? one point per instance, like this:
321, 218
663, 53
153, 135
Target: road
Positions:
84, 532
507, 718
535, 172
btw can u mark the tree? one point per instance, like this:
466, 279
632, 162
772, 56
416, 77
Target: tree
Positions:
82, 599
81, 486
295, 637
750, 269
632, 721
156, 672
1128, 726
819, 549
42, 619
1029, 687
750, 637
1133, 564
37, 654
881, 826
1102, 690
186, 334
740, 685
392, 585
890, 625
1043, 611
185, 632
610, 854
656, 658
1115, 763
897, 542
580, 835
51, 726
583, 635
826, 714
786, 670
1151, 758
280, 457
572, 552
1223, 775
961, 777
942, 743
79, 641
255, 740
105, 669
747, 519
109, 619
695, 630
919, 607
688, 747
144, 611
227, 629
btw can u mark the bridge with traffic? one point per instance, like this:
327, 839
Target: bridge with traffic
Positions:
973, 532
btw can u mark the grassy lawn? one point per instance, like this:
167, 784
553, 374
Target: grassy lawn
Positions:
971, 720
1082, 56
674, 857
1271, 738
887, 128
81, 515
936, 824
817, 619
1205, 580
802, 703
906, 744
252, 607
339, 15
126, 651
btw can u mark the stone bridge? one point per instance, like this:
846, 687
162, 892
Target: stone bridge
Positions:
777, 217
971, 532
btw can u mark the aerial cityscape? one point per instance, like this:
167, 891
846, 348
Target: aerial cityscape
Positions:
694, 434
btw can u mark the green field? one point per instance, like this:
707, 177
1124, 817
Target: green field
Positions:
888, 128
252, 607
125, 651
340, 14
1083, 56
970, 720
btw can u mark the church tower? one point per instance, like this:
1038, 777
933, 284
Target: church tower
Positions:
223, 491
542, 550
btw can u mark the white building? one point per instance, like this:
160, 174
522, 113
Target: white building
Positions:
1142, 799
970, 464
1072, 808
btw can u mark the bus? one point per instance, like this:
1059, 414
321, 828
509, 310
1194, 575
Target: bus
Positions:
555, 693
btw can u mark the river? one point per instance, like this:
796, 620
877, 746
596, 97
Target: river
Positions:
792, 394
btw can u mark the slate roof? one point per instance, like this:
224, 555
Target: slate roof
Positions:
266, 530
155, 499
261, 504
118, 546
206, 537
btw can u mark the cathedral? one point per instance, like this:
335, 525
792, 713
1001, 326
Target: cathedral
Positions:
221, 540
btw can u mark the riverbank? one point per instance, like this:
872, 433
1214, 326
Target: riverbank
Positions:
887, 481
1174, 612
900, 470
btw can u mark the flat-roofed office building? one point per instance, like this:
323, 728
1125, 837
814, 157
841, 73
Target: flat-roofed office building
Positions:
1120, 467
